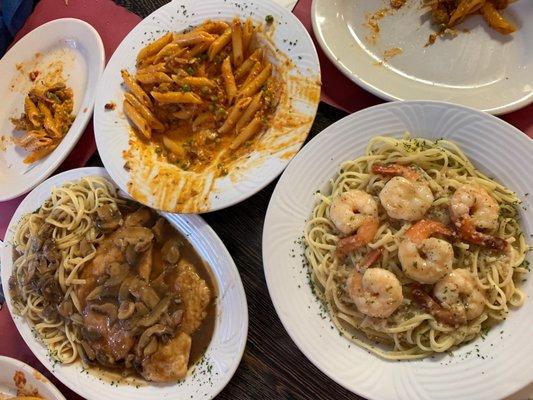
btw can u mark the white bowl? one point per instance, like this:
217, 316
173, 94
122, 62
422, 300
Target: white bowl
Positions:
224, 353
254, 173
79, 48
35, 381
494, 147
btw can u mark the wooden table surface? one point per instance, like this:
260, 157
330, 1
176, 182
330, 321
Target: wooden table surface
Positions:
272, 366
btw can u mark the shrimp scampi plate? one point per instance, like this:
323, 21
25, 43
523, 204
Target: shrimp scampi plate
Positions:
415, 248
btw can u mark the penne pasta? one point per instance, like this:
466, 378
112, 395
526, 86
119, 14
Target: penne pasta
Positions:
145, 112
217, 27
247, 34
193, 37
495, 19
176, 98
134, 88
219, 44
248, 64
153, 78
194, 81
229, 79
48, 121
236, 42
247, 133
199, 94
138, 121
154, 47
253, 87
251, 110
32, 112
234, 115
171, 49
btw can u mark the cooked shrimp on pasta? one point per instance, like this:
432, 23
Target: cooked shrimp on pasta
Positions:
413, 247
200, 96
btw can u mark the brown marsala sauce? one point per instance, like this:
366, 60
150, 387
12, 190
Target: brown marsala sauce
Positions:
201, 336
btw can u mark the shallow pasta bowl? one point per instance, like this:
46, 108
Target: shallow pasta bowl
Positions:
495, 148
166, 186
206, 378
71, 45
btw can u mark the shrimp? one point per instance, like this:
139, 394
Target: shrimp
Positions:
423, 258
473, 209
404, 196
431, 306
354, 211
376, 292
459, 292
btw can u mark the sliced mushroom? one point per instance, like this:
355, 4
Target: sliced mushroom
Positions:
90, 335
108, 309
105, 359
142, 291
144, 339
50, 289
124, 290
88, 351
85, 247
117, 273
159, 229
108, 217
176, 317
131, 255
141, 309
102, 292
155, 314
126, 310
151, 347
137, 236
141, 217
144, 266
171, 251
50, 251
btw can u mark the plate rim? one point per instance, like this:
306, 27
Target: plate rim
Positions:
384, 94
284, 162
85, 116
100, 171
268, 271
21, 365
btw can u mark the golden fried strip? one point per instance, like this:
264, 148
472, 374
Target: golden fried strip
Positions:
496, 20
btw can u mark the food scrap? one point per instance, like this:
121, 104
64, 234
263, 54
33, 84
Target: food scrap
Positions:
110, 106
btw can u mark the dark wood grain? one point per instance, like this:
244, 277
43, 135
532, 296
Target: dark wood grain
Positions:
272, 366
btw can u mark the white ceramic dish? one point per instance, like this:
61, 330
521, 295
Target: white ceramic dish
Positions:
481, 69
35, 381
78, 47
231, 327
254, 173
496, 148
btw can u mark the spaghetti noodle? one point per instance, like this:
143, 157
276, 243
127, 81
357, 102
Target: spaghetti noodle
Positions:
412, 330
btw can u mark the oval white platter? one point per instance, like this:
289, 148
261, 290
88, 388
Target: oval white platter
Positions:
207, 378
78, 48
494, 147
112, 128
479, 68
35, 381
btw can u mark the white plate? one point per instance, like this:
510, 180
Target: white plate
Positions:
496, 148
480, 69
111, 128
35, 381
79, 48
231, 327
